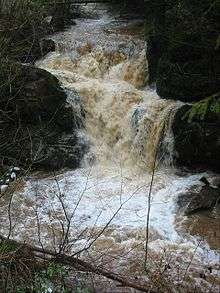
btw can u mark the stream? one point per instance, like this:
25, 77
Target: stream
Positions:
103, 59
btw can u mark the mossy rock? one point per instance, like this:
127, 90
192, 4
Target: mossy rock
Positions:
33, 93
197, 141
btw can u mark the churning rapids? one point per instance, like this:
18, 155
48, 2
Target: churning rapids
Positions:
103, 59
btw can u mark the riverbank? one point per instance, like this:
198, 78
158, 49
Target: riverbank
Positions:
32, 102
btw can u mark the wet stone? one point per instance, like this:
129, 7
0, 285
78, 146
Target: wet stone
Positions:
198, 198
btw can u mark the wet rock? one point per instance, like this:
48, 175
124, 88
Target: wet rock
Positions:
44, 132
197, 142
61, 16
137, 115
198, 199
215, 181
154, 53
36, 96
66, 150
46, 46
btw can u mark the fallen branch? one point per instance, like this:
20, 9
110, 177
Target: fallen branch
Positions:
77, 263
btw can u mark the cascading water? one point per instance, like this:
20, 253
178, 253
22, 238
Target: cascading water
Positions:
111, 80
104, 61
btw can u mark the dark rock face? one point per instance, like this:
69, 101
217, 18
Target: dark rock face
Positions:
183, 48
38, 127
61, 16
187, 81
47, 46
198, 199
183, 55
197, 142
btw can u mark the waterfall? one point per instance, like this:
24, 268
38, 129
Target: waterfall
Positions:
124, 120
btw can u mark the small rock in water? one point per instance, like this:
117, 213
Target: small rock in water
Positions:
215, 181
202, 276
13, 176
196, 199
3, 188
205, 181
48, 19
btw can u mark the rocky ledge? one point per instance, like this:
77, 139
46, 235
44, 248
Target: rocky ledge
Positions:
39, 128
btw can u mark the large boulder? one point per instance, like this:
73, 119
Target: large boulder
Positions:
197, 139
199, 198
38, 127
61, 15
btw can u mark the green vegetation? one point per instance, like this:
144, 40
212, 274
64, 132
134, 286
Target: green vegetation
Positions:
203, 108
53, 276
21, 272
